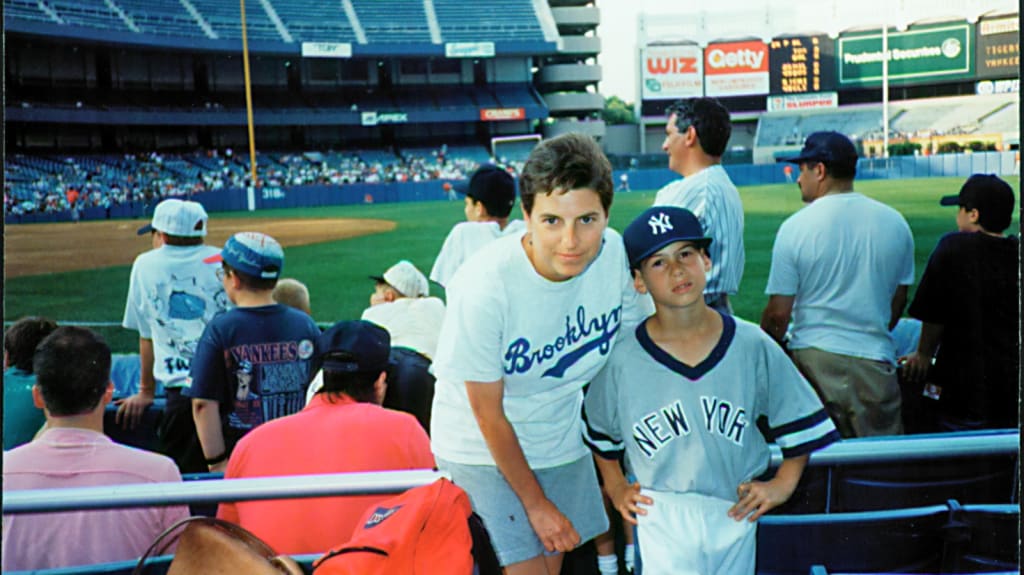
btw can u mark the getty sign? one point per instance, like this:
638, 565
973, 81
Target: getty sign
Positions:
933, 54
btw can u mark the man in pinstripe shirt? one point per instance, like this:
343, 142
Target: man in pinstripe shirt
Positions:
696, 136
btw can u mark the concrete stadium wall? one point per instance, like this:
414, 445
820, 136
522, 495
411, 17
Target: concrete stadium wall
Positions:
236, 199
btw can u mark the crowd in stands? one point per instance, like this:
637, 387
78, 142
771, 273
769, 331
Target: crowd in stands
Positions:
251, 382
35, 184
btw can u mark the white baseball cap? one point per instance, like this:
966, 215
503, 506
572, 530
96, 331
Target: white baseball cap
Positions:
406, 279
178, 218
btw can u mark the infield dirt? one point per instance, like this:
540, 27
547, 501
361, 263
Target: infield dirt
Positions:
32, 249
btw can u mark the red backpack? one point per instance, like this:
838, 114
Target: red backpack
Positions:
423, 531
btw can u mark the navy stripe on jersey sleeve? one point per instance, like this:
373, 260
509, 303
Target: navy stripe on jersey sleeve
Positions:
806, 448
601, 443
804, 435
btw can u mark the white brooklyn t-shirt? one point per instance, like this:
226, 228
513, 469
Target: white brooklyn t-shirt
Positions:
463, 241
544, 339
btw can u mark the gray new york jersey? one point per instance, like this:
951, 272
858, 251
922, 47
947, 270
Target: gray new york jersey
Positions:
694, 429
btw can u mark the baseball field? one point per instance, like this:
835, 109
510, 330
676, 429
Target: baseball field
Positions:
79, 272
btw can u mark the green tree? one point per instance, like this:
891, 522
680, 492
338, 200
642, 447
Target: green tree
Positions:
618, 112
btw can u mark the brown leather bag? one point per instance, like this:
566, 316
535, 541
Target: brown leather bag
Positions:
212, 546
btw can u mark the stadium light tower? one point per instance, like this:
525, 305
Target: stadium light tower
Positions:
248, 107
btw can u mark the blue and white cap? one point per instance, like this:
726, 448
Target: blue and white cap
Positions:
253, 254
658, 227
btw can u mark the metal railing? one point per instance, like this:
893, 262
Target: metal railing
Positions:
849, 452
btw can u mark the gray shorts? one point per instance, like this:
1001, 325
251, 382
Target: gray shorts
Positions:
571, 487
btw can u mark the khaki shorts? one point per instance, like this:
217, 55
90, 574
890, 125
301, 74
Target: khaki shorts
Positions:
862, 395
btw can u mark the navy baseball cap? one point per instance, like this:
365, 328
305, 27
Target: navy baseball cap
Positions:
658, 227
355, 346
991, 196
493, 187
252, 253
830, 148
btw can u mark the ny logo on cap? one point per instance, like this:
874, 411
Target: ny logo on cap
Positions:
659, 223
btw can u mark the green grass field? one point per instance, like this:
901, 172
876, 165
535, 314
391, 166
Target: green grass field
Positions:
336, 271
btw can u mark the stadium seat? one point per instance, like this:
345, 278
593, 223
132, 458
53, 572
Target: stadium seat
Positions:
894, 541
986, 479
144, 435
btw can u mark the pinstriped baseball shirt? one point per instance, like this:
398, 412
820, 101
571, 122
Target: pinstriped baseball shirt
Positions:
713, 198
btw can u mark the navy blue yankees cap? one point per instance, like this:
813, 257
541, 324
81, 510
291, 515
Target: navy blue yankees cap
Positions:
658, 227
355, 346
492, 186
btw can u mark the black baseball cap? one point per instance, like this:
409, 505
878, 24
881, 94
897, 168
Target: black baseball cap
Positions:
493, 187
658, 227
991, 196
355, 346
833, 149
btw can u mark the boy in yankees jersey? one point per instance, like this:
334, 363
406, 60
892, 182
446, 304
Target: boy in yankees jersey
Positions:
680, 398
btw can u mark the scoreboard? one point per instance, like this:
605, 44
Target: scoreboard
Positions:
802, 65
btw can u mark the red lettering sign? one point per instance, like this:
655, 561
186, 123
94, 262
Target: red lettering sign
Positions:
502, 114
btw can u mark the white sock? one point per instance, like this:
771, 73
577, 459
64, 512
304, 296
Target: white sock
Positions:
629, 557
608, 564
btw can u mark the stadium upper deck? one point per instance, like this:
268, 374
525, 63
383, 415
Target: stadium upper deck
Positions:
358, 22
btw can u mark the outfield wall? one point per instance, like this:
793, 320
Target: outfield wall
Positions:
1005, 164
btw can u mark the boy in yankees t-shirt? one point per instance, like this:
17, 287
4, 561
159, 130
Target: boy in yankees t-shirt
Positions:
680, 399
252, 363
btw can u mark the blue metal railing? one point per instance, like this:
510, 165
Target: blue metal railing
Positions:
849, 452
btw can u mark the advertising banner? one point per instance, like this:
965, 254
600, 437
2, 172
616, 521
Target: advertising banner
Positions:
998, 54
469, 50
801, 64
376, 118
672, 72
736, 69
326, 50
501, 114
933, 54
803, 101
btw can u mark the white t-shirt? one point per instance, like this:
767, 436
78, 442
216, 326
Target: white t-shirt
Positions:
465, 239
544, 339
172, 295
413, 322
843, 256
713, 198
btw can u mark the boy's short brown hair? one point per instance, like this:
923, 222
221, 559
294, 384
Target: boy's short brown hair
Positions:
564, 163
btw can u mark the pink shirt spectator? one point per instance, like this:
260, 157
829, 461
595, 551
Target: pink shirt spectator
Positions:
67, 457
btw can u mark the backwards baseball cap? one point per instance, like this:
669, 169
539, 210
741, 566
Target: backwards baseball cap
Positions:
493, 187
406, 279
658, 227
355, 346
253, 254
991, 196
833, 149
178, 218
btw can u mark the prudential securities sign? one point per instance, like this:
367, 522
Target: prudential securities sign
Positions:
935, 54
672, 72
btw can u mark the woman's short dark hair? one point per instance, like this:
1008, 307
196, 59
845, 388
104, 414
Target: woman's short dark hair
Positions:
564, 163
21, 339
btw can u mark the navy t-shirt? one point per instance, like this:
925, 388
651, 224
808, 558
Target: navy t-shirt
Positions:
970, 288
255, 361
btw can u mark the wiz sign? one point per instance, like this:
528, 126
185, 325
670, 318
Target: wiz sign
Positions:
671, 72
736, 69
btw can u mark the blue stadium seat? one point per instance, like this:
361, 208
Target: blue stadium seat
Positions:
904, 540
918, 482
144, 435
